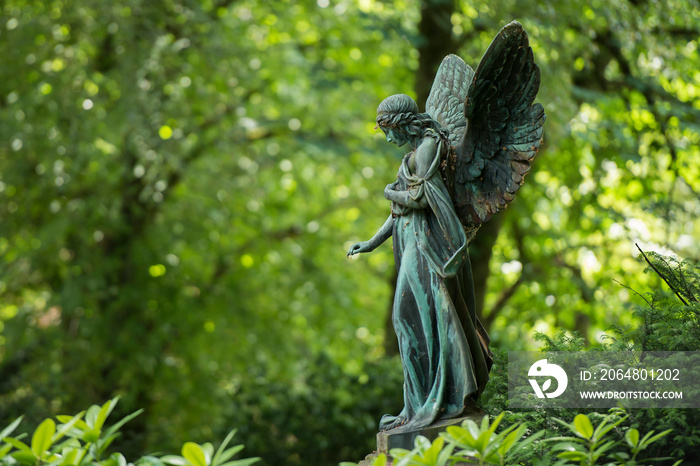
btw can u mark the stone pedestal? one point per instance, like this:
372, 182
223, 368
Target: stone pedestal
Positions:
400, 437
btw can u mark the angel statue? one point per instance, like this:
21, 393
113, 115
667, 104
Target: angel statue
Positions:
469, 154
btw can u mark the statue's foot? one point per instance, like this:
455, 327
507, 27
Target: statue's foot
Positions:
390, 422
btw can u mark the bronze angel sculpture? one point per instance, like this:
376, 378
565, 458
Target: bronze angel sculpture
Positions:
470, 153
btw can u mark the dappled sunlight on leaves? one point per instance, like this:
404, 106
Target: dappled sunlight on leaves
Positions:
180, 181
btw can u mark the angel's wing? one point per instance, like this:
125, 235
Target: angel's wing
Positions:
448, 94
504, 128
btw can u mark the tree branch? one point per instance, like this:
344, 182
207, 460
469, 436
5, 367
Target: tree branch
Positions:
663, 277
503, 298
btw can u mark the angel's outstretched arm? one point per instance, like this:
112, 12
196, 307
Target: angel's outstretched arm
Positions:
379, 237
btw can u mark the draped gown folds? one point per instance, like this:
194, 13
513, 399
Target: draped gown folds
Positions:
443, 347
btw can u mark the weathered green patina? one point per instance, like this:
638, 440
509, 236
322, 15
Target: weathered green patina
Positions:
470, 153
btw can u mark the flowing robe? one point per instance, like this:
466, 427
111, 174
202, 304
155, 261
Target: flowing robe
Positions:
443, 347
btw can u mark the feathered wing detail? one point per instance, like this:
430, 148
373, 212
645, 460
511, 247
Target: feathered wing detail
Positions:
448, 94
504, 128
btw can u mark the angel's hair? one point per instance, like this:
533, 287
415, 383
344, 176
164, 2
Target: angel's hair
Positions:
401, 111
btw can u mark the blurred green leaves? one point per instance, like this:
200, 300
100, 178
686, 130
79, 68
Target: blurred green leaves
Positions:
179, 182
480, 444
87, 444
203, 455
591, 446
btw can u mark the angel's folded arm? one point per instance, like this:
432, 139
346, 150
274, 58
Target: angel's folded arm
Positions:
412, 198
422, 163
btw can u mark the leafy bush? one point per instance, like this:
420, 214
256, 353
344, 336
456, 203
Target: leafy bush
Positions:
669, 318
474, 444
668, 321
75, 441
592, 444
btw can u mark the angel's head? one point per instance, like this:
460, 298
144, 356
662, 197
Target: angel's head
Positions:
398, 118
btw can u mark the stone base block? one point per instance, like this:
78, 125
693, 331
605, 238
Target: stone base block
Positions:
400, 437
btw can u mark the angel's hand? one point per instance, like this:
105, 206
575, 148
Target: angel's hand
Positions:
390, 188
362, 246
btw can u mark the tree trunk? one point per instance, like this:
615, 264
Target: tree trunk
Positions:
480, 253
434, 42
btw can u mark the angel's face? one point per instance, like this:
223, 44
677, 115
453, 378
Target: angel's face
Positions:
395, 135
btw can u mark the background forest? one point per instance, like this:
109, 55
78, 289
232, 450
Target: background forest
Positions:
180, 181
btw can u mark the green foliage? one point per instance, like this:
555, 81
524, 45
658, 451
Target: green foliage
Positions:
669, 317
87, 442
204, 455
668, 322
424, 453
487, 447
665, 324
561, 341
636, 445
495, 397
179, 182
474, 444
590, 445
615, 177
682, 276
175, 202
270, 412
